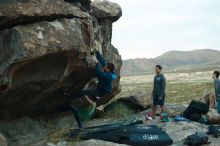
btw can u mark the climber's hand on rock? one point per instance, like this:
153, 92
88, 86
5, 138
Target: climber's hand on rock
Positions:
93, 52
95, 59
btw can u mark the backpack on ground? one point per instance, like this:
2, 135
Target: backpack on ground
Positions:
214, 131
196, 139
195, 110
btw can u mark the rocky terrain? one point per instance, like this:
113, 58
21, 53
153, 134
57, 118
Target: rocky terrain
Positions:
178, 131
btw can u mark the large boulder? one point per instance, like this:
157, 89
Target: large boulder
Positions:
106, 10
131, 102
37, 41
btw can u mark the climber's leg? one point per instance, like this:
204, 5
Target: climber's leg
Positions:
76, 113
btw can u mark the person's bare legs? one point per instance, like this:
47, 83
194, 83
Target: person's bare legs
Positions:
161, 108
154, 110
91, 102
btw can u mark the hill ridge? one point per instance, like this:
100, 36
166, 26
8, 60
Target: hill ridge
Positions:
173, 60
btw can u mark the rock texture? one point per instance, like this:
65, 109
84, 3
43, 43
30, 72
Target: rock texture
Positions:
15, 13
26, 131
131, 102
98, 143
38, 38
3, 141
91, 142
104, 10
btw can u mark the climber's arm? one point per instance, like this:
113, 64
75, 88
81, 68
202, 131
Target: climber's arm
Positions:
100, 59
102, 74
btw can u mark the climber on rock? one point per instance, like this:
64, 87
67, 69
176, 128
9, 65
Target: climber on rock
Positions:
105, 74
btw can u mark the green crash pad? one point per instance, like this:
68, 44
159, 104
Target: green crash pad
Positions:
85, 113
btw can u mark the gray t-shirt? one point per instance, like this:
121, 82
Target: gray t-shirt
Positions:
159, 85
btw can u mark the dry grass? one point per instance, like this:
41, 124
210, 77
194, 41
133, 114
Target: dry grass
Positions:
185, 92
180, 88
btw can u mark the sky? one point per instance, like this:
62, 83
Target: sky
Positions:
149, 28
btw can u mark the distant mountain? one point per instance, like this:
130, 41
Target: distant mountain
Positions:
171, 61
